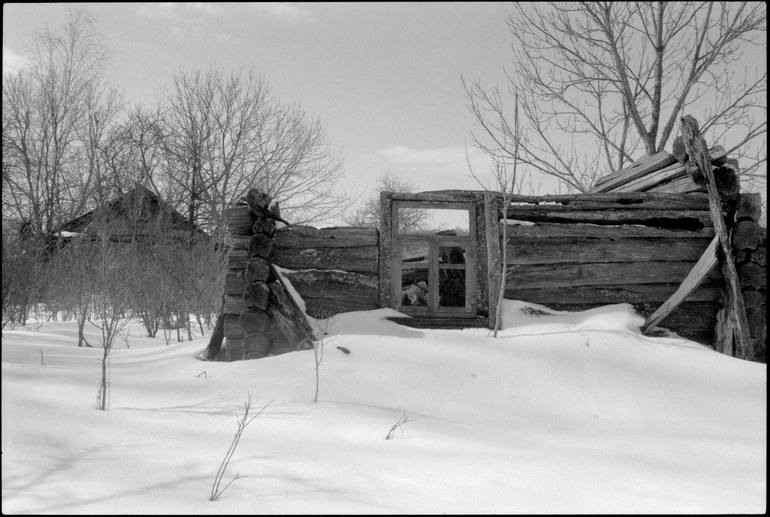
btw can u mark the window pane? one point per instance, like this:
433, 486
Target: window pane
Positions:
451, 288
443, 221
414, 290
451, 255
415, 254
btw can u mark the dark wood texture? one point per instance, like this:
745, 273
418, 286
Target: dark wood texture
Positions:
638, 169
599, 274
612, 232
346, 249
327, 293
693, 279
529, 250
659, 218
616, 200
698, 153
626, 293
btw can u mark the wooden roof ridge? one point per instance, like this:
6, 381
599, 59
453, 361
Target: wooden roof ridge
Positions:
657, 172
81, 223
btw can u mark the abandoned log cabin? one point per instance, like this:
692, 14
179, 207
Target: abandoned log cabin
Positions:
137, 214
633, 240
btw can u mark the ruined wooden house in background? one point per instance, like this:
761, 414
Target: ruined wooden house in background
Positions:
633, 239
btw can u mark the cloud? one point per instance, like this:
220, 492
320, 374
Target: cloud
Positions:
12, 62
282, 9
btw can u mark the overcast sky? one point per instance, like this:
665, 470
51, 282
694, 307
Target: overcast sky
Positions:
384, 78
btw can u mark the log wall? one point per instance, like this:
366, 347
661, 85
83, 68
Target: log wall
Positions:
333, 269
578, 252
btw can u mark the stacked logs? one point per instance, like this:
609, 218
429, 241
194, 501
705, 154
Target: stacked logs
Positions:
669, 174
259, 317
749, 242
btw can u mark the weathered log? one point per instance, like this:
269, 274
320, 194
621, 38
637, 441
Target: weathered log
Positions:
654, 178
591, 231
494, 254
256, 295
258, 202
261, 246
265, 225
291, 314
257, 269
234, 304
696, 149
629, 293
330, 292
232, 326
752, 275
362, 259
749, 207
239, 220
581, 250
727, 184
234, 282
303, 237
533, 276
746, 235
683, 185
237, 259
693, 279
694, 219
639, 168
647, 165
616, 200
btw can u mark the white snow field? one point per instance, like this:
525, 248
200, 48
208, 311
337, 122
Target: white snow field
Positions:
563, 413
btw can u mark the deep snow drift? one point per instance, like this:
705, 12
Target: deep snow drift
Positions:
564, 413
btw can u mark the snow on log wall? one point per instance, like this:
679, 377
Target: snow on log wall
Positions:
578, 252
333, 269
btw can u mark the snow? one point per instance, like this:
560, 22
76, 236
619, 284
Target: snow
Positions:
563, 413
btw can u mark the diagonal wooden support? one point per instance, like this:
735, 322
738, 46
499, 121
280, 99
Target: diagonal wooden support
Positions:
691, 282
698, 152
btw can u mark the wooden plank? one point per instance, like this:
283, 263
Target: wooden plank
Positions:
593, 231
696, 149
640, 168
658, 218
303, 237
359, 260
615, 200
646, 165
682, 185
330, 292
533, 276
581, 250
654, 178
239, 220
693, 279
442, 196
494, 254
629, 293
234, 304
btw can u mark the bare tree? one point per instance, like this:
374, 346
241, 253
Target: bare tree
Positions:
601, 82
55, 112
226, 134
369, 213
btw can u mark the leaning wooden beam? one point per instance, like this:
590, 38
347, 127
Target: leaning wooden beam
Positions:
691, 282
698, 153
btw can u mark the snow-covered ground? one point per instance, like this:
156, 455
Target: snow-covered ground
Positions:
564, 413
